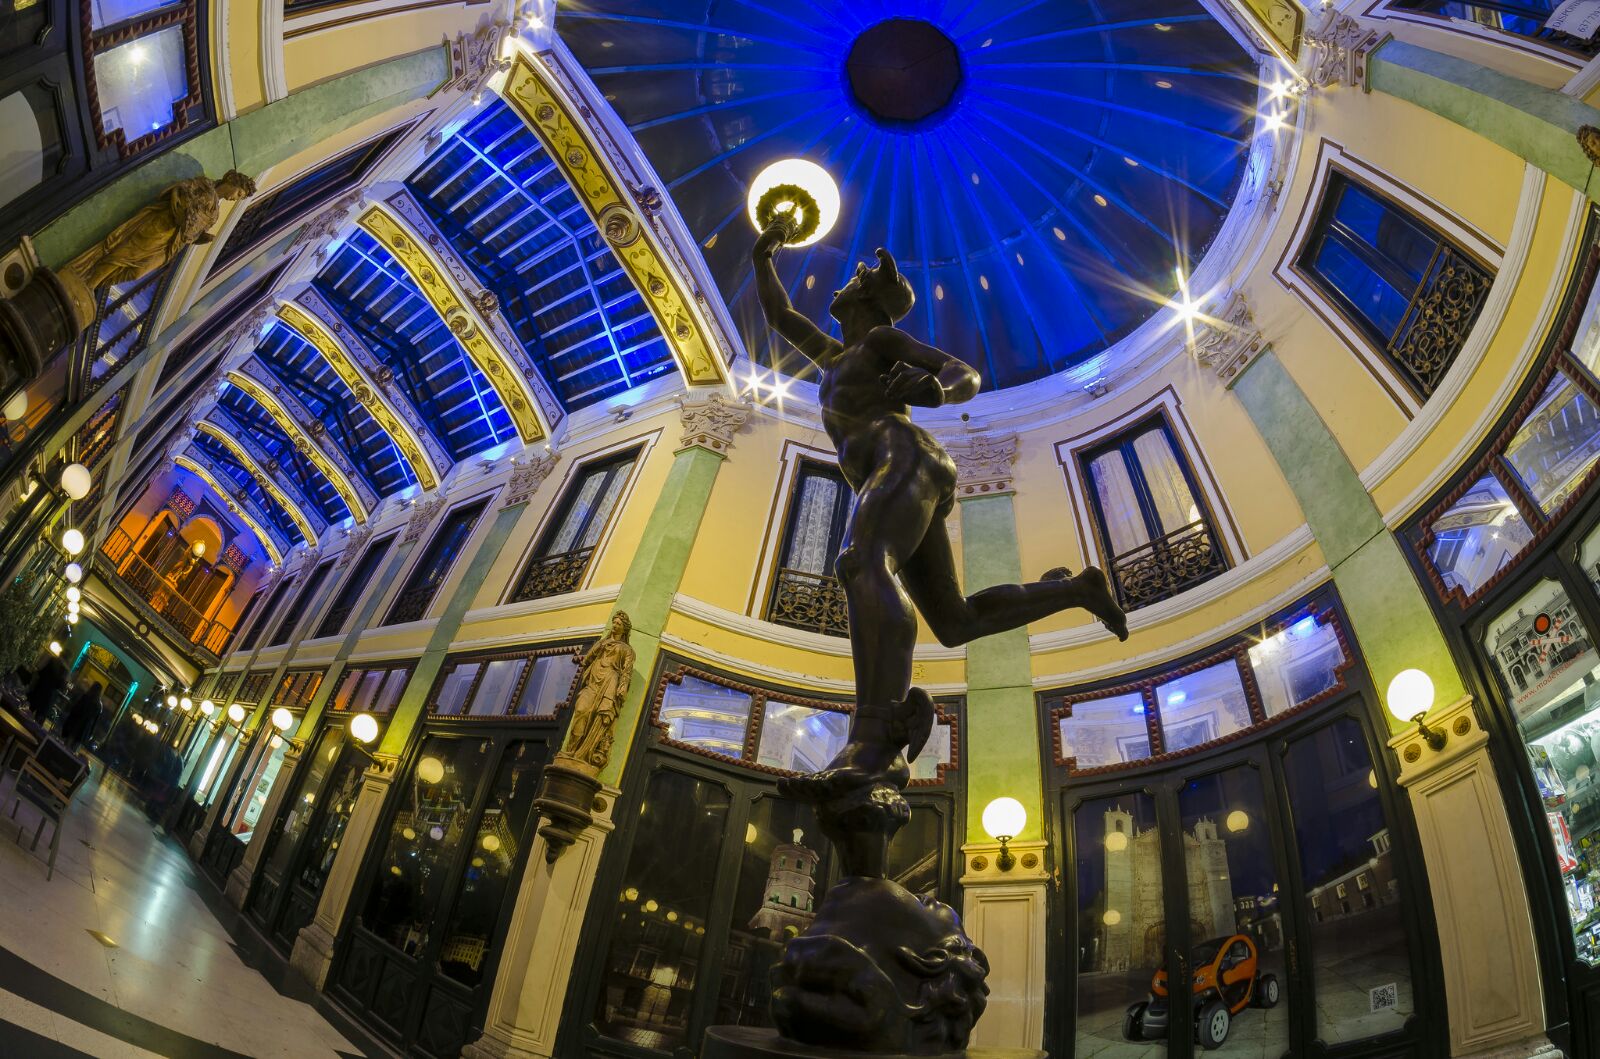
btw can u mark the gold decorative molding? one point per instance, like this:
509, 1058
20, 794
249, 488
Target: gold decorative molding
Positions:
303, 442
365, 390
617, 214
263, 479
262, 535
462, 317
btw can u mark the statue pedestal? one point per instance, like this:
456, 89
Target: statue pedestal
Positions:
744, 1042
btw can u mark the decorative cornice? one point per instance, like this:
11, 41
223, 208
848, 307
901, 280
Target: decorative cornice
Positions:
711, 422
287, 411
321, 231
1337, 51
266, 481
623, 217
421, 516
526, 479
270, 546
222, 426
505, 366
474, 59
354, 541
330, 338
1230, 341
983, 464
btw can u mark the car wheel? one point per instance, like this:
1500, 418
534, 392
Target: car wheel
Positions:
1133, 1022
1267, 992
1211, 1029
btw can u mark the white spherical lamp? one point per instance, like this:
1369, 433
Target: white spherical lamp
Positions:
1004, 819
16, 406
187, 703
76, 481
72, 541
74, 593
363, 728
73, 607
430, 770
74, 573
172, 700
236, 713
72, 619
800, 191
282, 719
1410, 698
55, 647
208, 707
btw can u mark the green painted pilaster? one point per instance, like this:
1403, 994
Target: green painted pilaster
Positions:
1000, 748
1536, 124
1393, 624
653, 578
408, 712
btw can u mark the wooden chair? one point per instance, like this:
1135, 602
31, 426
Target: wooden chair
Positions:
47, 780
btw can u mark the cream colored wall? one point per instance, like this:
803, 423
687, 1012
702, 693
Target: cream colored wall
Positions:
337, 40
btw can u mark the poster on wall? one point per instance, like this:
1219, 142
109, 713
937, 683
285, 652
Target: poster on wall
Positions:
1540, 648
1281, 22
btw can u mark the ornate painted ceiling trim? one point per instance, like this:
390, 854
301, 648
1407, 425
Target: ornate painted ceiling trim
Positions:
286, 410
267, 482
399, 227
225, 428
272, 547
370, 382
625, 219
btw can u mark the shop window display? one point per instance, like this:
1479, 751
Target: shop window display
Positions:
530, 683
1298, 663
1557, 444
1203, 706
1477, 536
1094, 733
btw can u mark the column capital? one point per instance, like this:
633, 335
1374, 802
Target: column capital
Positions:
1339, 47
711, 422
983, 464
528, 477
422, 513
1231, 341
355, 539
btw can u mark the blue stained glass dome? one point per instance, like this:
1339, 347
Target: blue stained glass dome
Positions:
1040, 168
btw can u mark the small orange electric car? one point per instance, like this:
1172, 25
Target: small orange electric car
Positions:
1225, 982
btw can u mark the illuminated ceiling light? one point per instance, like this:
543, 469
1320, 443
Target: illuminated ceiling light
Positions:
1130, 161
363, 728
983, 281
814, 207
186, 703
938, 291
650, 905
72, 619
172, 700
72, 541
76, 481
236, 713
74, 573
73, 608
811, 281
1163, 84
17, 406
1059, 234
490, 843
1272, 123
1163, 27
137, 55
74, 593
282, 719
1019, 258
1100, 200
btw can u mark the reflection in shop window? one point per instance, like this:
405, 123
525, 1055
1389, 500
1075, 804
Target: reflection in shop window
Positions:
1547, 663
1557, 444
1297, 663
1203, 706
1109, 731
140, 81
547, 687
1359, 964
452, 693
799, 738
1477, 536
662, 909
938, 752
706, 715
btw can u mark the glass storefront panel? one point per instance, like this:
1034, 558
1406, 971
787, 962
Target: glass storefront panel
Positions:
1557, 444
495, 690
1122, 927
782, 875
453, 690
1360, 967
937, 752
248, 814
1479, 534
707, 715
428, 828
798, 738
1107, 731
140, 81
1546, 661
547, 687
322, 845
1296, 664
298, 812
1236, 930
653, 961
1203, 706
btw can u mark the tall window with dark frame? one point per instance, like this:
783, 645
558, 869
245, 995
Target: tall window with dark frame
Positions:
569, 541
271, 608
307, 597
356, 584
417, 596
805, 592
1413, 293
1152, 526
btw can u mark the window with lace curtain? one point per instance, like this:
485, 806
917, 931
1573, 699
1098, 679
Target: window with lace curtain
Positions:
805, 593
582, 515
1154, 530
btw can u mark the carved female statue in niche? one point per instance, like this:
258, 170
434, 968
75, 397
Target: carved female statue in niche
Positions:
181, 215
604, 676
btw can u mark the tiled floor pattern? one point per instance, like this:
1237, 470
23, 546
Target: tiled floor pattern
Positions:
173, 985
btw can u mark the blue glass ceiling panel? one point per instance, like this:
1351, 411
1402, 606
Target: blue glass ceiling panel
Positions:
505, 207
235, 474
1040, 175
373, 294
311, 483
303, 370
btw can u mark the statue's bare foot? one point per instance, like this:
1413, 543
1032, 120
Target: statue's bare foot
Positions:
1095, 596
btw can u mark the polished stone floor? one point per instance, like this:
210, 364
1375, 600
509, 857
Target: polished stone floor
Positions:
118, 955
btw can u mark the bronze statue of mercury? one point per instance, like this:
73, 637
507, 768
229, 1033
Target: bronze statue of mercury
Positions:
896, 552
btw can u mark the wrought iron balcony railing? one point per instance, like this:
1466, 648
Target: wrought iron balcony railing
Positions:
1439, 318
809, 601
1166, 566
412, 604
333, 621
155, 593
553, 575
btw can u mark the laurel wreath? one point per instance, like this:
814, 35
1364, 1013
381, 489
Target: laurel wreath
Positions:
801, 218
